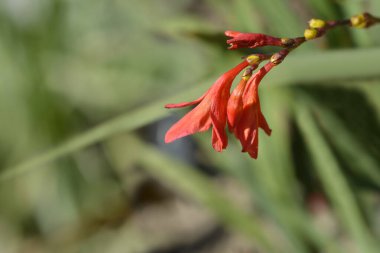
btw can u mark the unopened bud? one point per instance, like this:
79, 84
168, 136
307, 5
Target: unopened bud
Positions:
359, 21
248, 72
276, 59
310, 33
286, 42
253, 59
316, 23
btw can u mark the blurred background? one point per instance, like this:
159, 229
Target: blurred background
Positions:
83, 164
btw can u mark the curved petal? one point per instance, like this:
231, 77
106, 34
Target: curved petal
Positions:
184, 104
263, 124
235, 105
253, 150
248, 128
219, 136
262, 72
218, 108
197, 120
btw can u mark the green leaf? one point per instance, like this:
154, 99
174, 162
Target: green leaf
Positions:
189, 182
324, 8
335, 183
346, 144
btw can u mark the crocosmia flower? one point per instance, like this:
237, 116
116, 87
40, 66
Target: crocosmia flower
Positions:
211, 110
244, 112
251, 40
240, 110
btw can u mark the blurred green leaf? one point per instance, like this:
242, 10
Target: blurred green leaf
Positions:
325, 8
188, 181
346, 143
335, 183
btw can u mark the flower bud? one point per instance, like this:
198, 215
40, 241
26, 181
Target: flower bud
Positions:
276, 59
253, 59
359, 21
286, 42
316, 23
250, 40
247, 74
310, 34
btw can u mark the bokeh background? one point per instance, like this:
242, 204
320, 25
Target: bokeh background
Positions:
83, 163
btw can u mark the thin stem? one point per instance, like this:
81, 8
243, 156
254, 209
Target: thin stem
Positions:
364, 20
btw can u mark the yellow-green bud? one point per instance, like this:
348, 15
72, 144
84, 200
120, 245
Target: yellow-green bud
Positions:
359, 21
316, 23
253, 59
245, 78
310, 33
247, 74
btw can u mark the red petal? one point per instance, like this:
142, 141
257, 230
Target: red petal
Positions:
219, 136
235, 105
230, 33
250, 134
264, 125
197, 120
246, 129
184, 104
263, 71
254, 148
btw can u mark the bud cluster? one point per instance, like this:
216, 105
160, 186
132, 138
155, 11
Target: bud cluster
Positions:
316, 28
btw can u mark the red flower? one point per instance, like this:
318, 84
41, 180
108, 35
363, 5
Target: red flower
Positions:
244, 112
251, 40
211, 109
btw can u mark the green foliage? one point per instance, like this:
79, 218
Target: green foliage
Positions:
81, 81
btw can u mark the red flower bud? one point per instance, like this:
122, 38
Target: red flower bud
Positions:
250, 40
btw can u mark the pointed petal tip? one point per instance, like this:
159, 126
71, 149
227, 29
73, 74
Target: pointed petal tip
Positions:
169, 138
253, 155
219, 143
219, 147
231, 33
179, 105
174, 133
